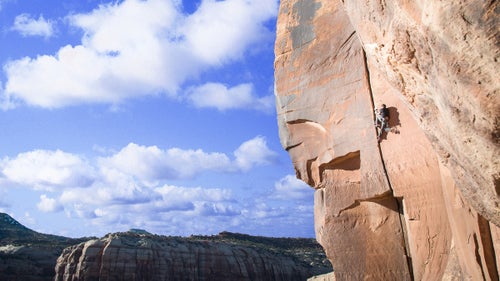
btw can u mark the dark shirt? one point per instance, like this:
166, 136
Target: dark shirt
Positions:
384, 112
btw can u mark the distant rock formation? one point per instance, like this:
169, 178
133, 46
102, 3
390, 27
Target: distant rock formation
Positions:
26, 254
141, 256
424, 203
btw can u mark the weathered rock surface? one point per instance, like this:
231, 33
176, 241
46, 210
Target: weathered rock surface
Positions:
424, 204
133, 256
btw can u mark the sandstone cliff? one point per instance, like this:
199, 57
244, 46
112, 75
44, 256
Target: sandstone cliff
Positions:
136, 256
424, 203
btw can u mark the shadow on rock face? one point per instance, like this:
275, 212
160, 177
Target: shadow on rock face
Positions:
394, 117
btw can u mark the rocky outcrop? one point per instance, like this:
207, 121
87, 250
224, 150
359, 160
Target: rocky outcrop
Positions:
26, 254
424, 203
136, 256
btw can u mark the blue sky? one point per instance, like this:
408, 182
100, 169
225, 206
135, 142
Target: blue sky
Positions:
154, 114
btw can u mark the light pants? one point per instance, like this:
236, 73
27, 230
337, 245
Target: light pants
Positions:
383, 124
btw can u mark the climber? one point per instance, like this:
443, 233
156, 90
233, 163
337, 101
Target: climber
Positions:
382, 120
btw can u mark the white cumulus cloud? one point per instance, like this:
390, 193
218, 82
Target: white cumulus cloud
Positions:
291, 188
254, 152
130, 187
222, 30
28, 26
44, 169
221, 97
130, 168
151, 163
47, 204
134, 48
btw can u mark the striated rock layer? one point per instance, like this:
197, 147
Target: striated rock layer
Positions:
136, 256
424, 203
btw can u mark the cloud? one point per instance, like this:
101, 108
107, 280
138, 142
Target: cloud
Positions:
291, 188
130, 187
196, 199
136, 48
178, 210
130, 168
168, 208
167, 198
254, 152
221, 30
223, 98
28, 26
48, 170
47, 204
151, 163
124, 53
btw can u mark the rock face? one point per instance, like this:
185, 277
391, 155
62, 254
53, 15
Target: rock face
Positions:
424, 203
136, 256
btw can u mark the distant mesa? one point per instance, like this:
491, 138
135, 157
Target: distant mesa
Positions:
28, 255
138, 231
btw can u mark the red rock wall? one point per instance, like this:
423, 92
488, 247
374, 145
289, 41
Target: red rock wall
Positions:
413, 207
